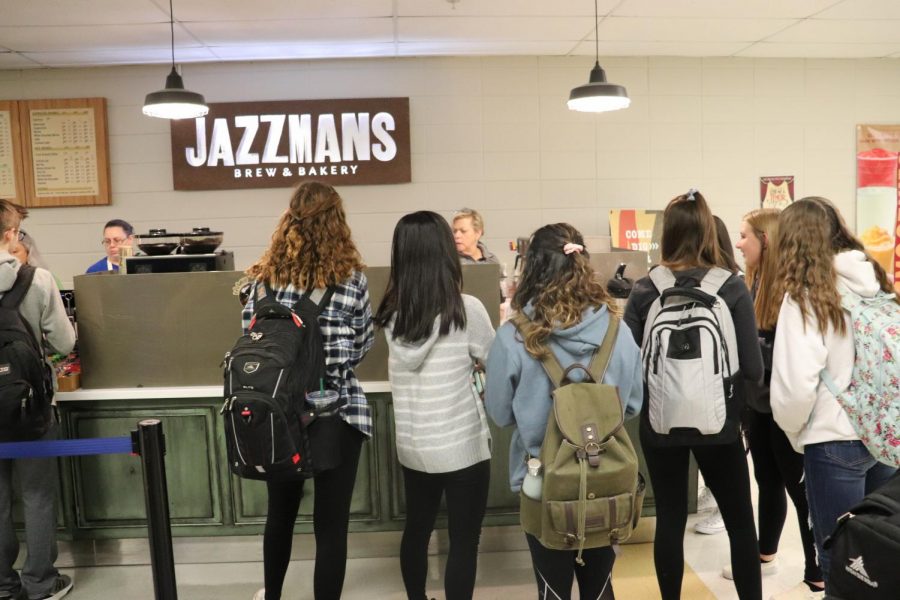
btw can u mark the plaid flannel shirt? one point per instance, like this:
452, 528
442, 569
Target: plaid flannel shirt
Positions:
347, 331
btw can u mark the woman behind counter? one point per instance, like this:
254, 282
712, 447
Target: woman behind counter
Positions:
311, 250
434, 334
468, 227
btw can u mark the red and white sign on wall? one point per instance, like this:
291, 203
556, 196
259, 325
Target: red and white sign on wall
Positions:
241, 145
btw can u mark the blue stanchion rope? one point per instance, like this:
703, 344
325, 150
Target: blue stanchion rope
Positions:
84, 447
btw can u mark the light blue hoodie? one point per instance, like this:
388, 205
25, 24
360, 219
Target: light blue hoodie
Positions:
518, 390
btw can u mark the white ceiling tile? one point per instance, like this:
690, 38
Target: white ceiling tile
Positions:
131, 56
91, 37
634, 48
694, 30
282, 51
423, 29
276, 10
136, 31
31, 13
730, 9
862, 9
476, 47
11, 60
819, 50
861, 31
502, 8
288, 31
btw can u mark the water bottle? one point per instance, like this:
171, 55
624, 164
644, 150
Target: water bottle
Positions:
534, 481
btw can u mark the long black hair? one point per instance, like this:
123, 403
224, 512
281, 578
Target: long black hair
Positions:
425, 279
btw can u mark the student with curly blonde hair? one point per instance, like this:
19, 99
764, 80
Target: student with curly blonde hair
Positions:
817, 255
560, 308
313, 254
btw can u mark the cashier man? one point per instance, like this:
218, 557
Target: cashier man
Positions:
116, 233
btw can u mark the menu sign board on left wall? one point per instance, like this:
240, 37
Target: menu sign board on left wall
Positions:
241, 145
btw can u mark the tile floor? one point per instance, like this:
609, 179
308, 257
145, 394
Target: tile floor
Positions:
206, 568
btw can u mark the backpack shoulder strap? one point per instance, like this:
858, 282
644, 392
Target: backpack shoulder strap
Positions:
714, 279
602, 355
550, 363
326, 298
662, 278
13, 298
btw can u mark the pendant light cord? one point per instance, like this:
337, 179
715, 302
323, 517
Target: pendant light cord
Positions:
596, 34
172, 29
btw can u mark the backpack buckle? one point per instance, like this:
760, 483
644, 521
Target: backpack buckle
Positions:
591, 452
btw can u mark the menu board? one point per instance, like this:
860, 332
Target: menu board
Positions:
64, 152
11, 183
65, 149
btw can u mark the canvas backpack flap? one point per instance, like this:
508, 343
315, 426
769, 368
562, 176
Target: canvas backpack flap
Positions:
872, 400
590, 466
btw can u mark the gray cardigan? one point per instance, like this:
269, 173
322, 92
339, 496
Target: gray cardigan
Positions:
439, 419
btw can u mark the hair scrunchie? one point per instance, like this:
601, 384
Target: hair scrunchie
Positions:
570, 247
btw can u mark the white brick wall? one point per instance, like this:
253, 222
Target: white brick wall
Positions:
494, 133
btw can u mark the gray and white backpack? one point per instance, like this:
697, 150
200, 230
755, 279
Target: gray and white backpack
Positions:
690, 363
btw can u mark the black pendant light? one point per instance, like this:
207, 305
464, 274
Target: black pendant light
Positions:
597, 95
174, 102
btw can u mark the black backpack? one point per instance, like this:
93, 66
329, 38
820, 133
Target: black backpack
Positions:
267, 374
26, 387
864, 548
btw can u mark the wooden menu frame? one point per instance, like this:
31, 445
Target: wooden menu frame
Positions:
100, 155
16, 164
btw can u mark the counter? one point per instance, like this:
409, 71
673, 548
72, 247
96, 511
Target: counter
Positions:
102, 496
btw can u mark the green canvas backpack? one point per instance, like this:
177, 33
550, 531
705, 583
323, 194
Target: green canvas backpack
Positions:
592, 492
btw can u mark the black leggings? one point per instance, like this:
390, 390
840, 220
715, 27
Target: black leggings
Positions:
777, 468
331, 516
724, 469
555, 571
467, 493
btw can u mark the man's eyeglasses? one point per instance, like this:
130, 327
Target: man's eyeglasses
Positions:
117, 241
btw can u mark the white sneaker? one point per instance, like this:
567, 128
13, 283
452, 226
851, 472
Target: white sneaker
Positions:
260, 595
800, 591
711, 524
705, 500
765, 568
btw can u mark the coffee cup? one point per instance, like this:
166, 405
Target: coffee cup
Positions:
322, 398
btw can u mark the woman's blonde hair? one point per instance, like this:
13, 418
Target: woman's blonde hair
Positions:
558, 286
763, 275
470, 213
811, 233
311, 246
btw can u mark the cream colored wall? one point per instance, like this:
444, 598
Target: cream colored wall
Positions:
494, 134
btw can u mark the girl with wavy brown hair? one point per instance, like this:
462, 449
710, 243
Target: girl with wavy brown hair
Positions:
819, 260
560, 308
690, 250
312, 255
776, 467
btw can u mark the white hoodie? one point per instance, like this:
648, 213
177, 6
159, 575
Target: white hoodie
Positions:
801, 404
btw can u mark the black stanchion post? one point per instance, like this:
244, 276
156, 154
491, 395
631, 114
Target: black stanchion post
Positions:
151, 447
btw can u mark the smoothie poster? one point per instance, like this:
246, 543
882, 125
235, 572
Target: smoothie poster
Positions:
877, 225
631, 229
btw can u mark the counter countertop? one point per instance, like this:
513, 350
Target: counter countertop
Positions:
194, 391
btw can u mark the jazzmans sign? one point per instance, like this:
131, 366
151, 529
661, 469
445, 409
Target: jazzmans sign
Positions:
241, 145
